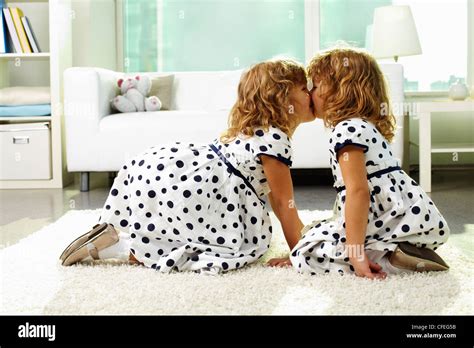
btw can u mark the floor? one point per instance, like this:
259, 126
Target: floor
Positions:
26, 211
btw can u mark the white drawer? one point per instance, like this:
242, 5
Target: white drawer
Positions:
25, 151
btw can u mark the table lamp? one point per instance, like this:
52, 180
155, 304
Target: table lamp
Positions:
394, 33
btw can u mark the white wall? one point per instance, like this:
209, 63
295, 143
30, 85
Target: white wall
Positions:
93, 31
94, 41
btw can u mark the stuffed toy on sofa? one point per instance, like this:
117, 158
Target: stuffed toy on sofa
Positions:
135, 95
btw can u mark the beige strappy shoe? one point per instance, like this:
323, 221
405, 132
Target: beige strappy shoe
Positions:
91, 247
82, 239
408, 257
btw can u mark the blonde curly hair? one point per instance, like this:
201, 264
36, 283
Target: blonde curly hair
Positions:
263, 99
353, 86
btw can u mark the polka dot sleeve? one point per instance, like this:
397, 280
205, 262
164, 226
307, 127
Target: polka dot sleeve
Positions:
350, 132
274, 143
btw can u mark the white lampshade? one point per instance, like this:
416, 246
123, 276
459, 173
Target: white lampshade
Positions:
394, 33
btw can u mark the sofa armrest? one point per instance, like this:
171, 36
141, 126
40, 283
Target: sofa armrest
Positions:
87, 96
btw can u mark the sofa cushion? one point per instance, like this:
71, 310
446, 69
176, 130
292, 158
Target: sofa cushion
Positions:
191, 90
162, 87
203, 90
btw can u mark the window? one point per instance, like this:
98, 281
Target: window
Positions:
140, 35
185, 35
211, 34
346, 20
442, 30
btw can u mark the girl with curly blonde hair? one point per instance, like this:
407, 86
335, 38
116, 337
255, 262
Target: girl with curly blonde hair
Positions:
188, 207
381, 214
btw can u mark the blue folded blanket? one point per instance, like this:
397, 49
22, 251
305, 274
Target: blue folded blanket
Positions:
26, 110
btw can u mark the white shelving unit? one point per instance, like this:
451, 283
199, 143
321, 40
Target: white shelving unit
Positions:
426, 147
52, 23
25, 55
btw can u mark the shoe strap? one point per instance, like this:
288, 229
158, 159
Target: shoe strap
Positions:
92, 250
420, 266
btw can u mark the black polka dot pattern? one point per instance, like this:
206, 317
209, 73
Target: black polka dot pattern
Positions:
400, 211
187, 211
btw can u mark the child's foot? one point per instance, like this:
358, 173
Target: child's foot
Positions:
91, 247
408, 257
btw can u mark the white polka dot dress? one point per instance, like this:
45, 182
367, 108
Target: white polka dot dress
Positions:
400, 211
197, 207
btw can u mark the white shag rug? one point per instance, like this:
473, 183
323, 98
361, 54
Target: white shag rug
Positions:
33, 282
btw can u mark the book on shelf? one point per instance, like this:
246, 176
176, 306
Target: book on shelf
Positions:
31, 35
16, 15
4, 47
11, 30
16, 32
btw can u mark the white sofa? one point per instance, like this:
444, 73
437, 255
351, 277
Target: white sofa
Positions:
97, 140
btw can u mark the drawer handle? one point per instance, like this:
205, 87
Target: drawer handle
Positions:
21, 140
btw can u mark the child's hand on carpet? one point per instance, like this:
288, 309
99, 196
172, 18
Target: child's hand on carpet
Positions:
363, 267
280, 262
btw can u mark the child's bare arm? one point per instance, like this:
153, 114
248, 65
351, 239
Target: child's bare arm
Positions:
352, 162
282, 199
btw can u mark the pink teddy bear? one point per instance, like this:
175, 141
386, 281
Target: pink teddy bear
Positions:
134, 96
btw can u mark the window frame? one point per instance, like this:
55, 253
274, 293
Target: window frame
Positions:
311, 28
119, 34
